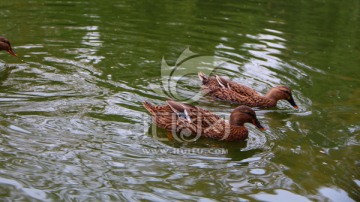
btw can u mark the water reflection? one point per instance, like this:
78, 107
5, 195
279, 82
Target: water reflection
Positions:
280, 195
91, 39
4, 71
68, 128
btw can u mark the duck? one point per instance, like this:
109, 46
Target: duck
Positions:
6, 46
185, 118
226, 90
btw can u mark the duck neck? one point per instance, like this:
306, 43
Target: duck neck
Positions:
262, 101
237, 133
270, 98
235, 123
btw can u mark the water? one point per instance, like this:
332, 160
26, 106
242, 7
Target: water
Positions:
72, 125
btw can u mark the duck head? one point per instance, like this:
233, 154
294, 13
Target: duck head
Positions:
6, 46
244, 114
281, 93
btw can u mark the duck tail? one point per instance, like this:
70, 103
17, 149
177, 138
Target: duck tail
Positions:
203, 78
150, 107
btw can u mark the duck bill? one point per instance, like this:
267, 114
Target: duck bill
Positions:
11, 52
258, 125
292, 102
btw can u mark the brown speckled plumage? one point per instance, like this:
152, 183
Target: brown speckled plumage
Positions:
179, 117
223, 89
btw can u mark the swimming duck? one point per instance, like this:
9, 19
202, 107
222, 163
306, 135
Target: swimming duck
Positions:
223, 89
180, 117
6, 46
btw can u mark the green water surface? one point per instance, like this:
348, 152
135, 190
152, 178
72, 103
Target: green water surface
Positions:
72, 125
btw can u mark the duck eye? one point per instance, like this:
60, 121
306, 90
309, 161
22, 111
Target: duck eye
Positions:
286, 92
250, 114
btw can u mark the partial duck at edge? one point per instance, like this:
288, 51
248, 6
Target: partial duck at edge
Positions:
223, 89
6, 46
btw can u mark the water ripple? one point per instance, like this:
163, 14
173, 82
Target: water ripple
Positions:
72, 125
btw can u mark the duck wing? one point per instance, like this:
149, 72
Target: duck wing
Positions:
165, 117
181, 109
196, 115
236, 87
232, 96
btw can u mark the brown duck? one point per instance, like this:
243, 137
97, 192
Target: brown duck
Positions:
223, 89
6, 46
180, 117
